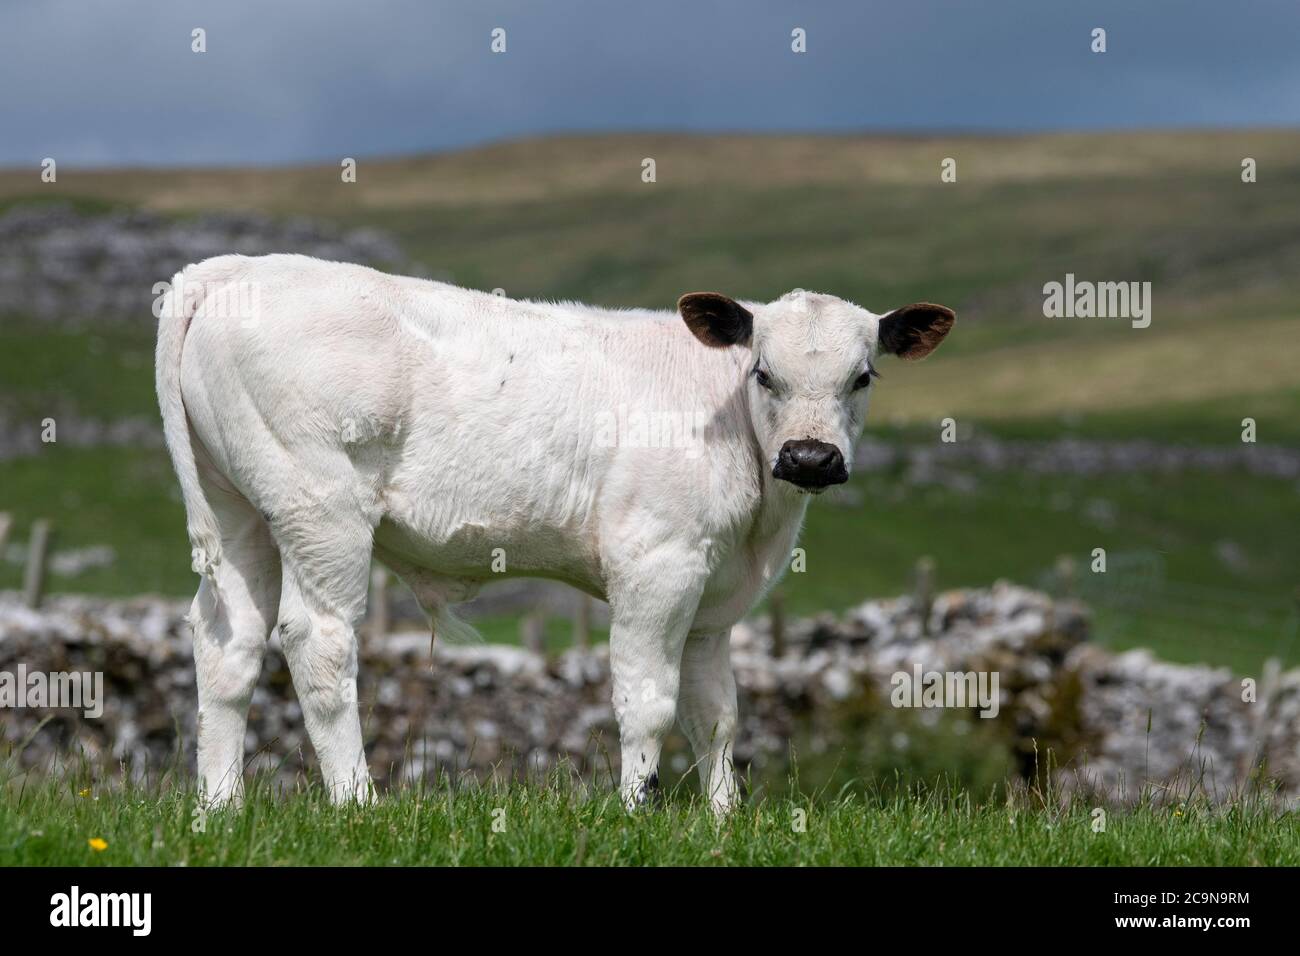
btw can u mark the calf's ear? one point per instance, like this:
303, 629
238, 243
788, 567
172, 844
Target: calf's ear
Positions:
914, 331
716, 320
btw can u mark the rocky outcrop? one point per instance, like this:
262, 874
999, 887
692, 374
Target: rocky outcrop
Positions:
951, 463
1113, 723
63, 266
22, 437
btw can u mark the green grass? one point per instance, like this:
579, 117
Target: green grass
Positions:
99, 373
1015, 526
560, 823
1215, 421
126, 498
557, 632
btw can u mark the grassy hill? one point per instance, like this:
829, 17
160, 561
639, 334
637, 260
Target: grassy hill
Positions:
867, 218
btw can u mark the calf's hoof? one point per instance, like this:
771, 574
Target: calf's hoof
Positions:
644, 793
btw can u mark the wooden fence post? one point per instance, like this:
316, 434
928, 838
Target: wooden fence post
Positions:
1067, 576
924, 594
1265, 694
38, 552
776, 612
582, 622
378, 605
6, 522
532, 631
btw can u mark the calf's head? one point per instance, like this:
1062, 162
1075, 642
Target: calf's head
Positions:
810, 370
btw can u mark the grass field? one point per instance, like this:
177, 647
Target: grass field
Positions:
556, 823
866, 218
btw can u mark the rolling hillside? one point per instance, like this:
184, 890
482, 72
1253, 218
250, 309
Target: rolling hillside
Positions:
867, 218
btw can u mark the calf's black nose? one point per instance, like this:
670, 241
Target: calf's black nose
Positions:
810, 464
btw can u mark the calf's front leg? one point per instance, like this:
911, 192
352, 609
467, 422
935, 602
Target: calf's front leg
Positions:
650, 616
706, 708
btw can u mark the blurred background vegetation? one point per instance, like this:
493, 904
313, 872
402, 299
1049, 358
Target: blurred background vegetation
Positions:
866, 218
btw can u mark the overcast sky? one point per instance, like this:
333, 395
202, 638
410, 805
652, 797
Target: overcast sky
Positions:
93, 81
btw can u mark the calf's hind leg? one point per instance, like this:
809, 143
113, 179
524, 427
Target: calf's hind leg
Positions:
231, 623
326, 571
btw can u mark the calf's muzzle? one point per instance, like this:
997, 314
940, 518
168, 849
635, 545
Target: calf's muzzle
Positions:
810, 464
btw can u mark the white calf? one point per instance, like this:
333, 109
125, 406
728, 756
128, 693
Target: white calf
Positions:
660, 464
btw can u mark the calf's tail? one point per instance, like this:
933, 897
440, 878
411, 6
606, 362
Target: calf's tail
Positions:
177, 309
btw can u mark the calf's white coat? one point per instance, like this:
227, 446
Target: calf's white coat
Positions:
459, 437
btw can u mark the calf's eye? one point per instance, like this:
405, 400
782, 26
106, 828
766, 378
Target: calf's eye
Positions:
863, 380
763, 379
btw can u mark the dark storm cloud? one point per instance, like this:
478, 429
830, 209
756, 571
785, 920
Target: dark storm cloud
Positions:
116, 83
